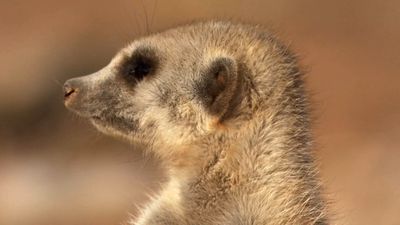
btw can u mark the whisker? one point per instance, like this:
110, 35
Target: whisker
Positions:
146, 16
124, 29
153, 13
138, 24
131, 25
54, 80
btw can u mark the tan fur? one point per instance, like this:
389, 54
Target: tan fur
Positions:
223, 106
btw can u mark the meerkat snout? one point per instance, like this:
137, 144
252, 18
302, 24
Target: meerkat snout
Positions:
70, 90
77, 95
73, 91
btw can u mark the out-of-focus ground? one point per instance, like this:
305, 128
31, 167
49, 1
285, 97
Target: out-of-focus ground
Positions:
56, 169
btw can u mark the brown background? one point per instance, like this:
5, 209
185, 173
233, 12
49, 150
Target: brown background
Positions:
56, 169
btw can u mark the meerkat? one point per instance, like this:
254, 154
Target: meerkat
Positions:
223, 106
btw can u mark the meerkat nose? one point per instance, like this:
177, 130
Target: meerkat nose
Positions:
69, 91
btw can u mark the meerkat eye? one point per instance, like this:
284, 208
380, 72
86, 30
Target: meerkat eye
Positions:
139, 68
141, 63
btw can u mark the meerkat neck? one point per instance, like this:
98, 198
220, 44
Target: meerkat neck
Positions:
268, 144
273, 158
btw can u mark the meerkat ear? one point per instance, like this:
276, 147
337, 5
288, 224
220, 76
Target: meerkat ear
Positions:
219, 84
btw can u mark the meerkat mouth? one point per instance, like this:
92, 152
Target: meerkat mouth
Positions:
96, 120
116, 123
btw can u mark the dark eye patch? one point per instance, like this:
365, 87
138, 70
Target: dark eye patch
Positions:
140, 64
138, 68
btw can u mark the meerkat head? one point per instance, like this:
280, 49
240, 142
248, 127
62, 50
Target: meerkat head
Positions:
167, 89
184, 84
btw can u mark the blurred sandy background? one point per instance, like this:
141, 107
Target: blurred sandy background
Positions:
56, 169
